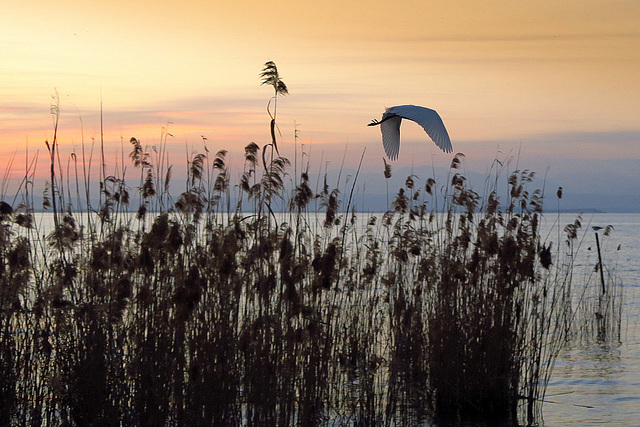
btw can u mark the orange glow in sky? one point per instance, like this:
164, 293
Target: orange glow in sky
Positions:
555, 80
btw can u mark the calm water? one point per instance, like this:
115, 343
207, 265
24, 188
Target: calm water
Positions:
592, 383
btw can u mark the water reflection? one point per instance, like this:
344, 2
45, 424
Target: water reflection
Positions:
594, 385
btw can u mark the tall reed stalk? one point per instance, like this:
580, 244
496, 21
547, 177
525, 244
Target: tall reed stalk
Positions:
193, 312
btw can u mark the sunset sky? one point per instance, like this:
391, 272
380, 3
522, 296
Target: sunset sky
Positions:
558, 82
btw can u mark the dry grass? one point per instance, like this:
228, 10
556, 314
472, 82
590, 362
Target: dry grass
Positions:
209, 313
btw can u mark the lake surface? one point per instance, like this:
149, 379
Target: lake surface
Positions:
593, 383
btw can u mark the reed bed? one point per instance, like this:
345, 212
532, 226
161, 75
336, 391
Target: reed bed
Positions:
211, 308
195, 315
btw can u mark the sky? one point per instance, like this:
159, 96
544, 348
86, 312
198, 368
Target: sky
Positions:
550, 86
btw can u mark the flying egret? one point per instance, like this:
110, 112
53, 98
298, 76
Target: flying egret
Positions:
425, 117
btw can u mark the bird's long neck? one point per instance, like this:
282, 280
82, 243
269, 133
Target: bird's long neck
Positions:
385, 116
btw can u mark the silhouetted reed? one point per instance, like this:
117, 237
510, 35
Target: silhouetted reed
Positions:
209, 308
597, 303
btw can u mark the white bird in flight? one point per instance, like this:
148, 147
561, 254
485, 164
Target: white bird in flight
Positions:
425, 117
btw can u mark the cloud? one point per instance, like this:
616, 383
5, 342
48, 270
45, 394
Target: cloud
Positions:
517, 38
618, 144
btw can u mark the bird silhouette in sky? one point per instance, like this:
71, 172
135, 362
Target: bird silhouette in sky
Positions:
425, 117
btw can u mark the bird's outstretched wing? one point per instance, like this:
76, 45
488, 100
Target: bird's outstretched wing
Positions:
391, 136
428, 119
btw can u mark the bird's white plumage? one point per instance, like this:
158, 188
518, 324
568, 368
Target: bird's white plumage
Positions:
391, 136
425, 117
